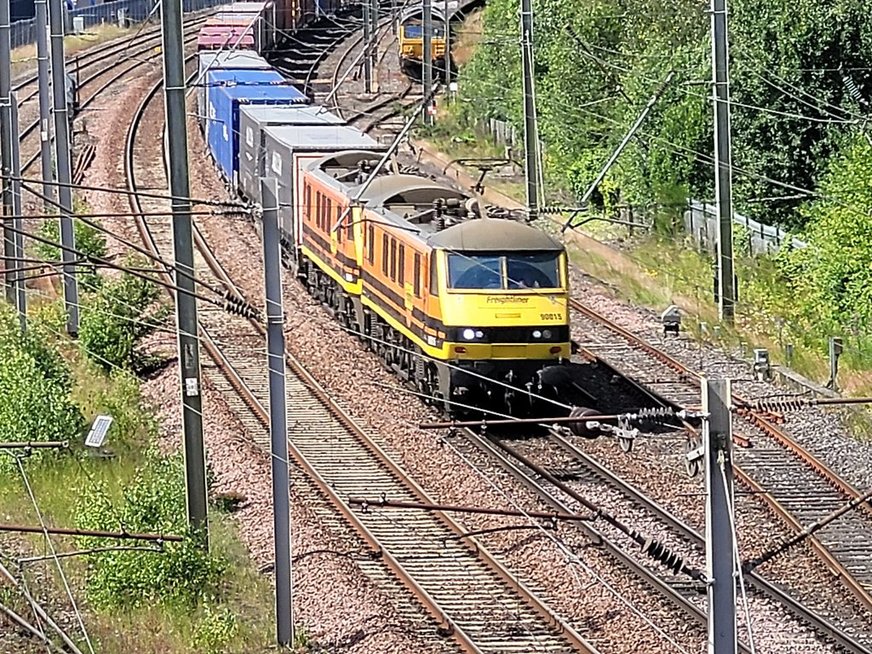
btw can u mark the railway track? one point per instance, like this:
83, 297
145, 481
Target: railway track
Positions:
569, 486
471, 597
114, 59
796, 485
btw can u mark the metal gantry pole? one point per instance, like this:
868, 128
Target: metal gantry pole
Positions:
373, 30
531, 133
6, 148
447, 47
367, 57
64, 164
723, 161
42, 69
176, 143
18, 241
720, 546
427, 57
278, 417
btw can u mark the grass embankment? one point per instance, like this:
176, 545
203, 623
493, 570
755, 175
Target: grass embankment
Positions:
654, 271
147, 602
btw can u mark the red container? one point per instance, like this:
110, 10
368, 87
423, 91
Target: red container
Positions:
225, 37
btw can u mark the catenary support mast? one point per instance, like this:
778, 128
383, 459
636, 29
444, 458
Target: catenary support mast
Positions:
427, 58
183, 248
531, 133
64, 165
720, 546
6, 149
723, 162
45, 131
278, 417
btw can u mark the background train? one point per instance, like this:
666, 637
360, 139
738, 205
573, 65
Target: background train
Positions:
469, 309
410, 37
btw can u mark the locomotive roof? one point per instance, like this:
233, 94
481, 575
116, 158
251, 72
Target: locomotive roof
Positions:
407, 202
493, 235
405, 189
416, 10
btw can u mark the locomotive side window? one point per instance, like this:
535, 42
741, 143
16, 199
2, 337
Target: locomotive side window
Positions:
349, 224
307, 201
434, 277
385, 254
318, 200
393, 259
417, 273
370, 240
401, 271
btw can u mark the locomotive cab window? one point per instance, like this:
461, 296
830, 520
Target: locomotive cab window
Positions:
370, 241
416, 31
417, 274
478, 271
517, 271
533, 270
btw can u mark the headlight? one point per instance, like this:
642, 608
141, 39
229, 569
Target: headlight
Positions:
546, 334
470, 334
537, 333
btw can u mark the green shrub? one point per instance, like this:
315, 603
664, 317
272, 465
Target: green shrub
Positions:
117, 318
181, 575
34, 387
89, 241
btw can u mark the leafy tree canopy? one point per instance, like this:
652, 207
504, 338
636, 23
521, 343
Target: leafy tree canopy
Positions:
800, 73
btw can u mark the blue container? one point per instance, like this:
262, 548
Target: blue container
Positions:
219, 78
222, 125
228, 62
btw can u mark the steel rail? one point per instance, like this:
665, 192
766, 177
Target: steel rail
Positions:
137, 63
862, 591
499, 453
680, 527
236, 380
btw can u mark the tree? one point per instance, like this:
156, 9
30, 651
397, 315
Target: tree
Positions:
835, 270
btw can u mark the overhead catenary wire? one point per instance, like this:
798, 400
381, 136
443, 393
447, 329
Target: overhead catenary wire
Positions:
170, 267
128, 192
227, 296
